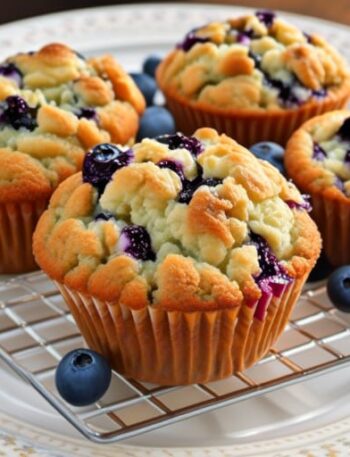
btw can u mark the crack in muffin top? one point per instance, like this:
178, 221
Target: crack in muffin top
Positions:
318, 154
55, 105
255, 61
130, 235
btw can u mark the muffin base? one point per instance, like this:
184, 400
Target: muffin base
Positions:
251, 126
17, 224
332, 216
175, 347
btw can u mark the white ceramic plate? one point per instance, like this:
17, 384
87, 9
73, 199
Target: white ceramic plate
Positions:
304, 420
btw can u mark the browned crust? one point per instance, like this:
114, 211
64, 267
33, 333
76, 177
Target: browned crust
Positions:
73, 255
56, 149
335, 93
305, 171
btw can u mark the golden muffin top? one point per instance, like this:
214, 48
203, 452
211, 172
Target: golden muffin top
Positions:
257, 61
318, 154
177, 222
55, 105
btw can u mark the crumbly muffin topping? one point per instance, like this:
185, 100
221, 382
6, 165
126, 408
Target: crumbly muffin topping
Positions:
254, 61
177, 222
54, 105
326, 151
333, 153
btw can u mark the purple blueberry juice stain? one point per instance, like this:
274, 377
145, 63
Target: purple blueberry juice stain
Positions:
257, 58
266, 17
136, 242
87, 113
195, 147
305, 205
320, 93
339, 184
318, 152
190, 187
104, 216
15, 111
180, 141
308, 37
190, 40
273, 278
243, 39
173, 165
11, 71
285, 91
102, 162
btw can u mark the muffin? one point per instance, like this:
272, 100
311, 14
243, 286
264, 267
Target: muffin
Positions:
317, 158
54, 106
181, 259
255, 78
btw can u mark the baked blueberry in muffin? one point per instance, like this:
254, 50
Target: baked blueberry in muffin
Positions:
256, 68
176, 255
54, 106
318, 160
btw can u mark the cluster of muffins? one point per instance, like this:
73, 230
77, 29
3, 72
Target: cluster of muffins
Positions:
181, 257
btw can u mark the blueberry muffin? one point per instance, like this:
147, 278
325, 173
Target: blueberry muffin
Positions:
54, 106
181, 258
254, 77
317, 158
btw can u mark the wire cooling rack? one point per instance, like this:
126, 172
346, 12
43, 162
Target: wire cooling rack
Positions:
37, 330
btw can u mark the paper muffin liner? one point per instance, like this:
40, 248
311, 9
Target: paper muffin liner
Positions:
177, 347
332, 217
250, 127
17, 224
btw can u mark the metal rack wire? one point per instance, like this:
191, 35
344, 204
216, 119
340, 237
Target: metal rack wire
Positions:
36, 330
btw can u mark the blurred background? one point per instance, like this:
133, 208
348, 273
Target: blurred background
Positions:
337, 10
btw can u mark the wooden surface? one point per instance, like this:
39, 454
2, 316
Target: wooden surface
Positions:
335, 10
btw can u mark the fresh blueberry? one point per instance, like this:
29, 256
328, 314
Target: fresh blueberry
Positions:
272, 152
82, 377
101, 163
147, 86
135, 241
156, 121
320, 93
150, 65
338, 288
16, 112
321, 270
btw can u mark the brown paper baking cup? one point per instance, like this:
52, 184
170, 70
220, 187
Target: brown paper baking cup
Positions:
332, 217
17, 224
176, 347
250, 127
